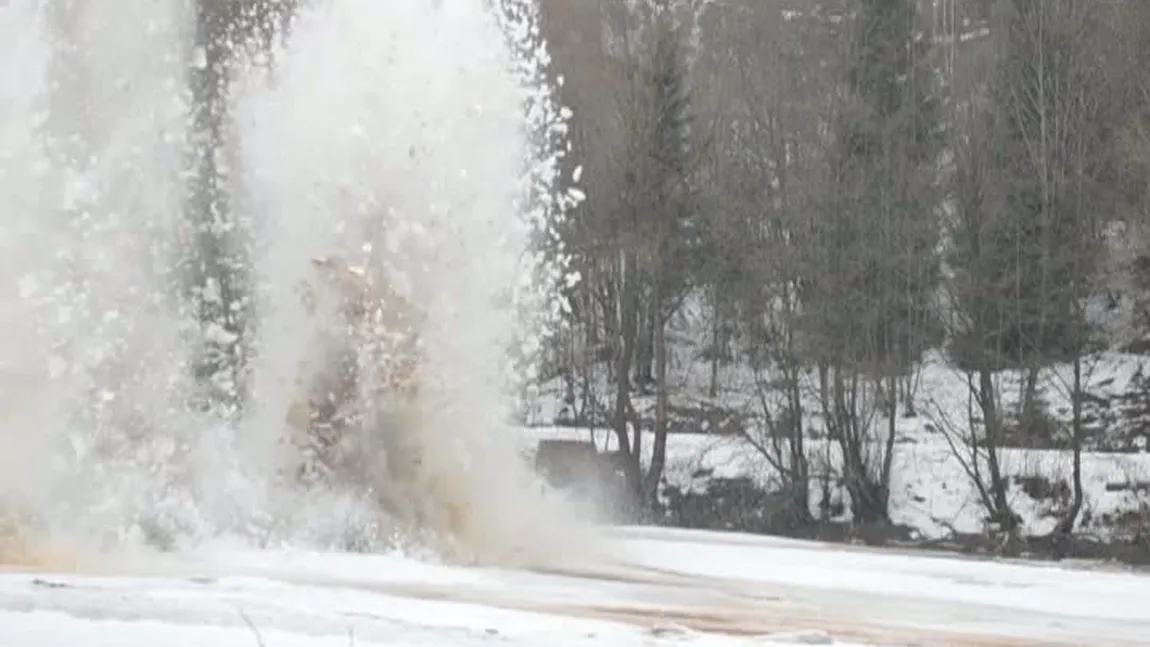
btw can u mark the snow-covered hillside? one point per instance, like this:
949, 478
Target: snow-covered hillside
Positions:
932, 492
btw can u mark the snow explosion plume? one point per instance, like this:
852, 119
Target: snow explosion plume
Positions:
93, 364
387, 165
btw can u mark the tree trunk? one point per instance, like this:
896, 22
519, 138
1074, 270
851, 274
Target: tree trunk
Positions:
625, 355
800, 468
644, 349
891, 431
713, 387
908, 393
868, 502
869, 497
1066, 525
1028, 416
213, 271
659, 450
1002, 514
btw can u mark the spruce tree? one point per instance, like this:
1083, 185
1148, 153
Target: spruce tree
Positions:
887, 150
875, 270
1047, 155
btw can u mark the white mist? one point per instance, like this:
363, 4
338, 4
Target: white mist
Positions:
91, 178
396, 134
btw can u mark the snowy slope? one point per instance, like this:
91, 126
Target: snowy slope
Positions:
660, 588
932, 492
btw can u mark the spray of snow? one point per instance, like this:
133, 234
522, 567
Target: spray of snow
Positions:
413, 139
93, 359
396, 136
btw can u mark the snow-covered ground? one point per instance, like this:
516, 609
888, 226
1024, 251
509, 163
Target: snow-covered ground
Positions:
658, 587
931, 490
931, 493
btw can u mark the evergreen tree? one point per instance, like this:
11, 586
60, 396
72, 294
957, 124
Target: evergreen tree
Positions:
1047, 156
672, 229
874, 270
1034, 190
215, 266
209, 285
884, 232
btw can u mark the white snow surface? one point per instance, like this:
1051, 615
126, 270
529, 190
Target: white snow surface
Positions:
658, 587
931, 491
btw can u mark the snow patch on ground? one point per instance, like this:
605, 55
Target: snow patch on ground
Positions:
931, 491
658, 588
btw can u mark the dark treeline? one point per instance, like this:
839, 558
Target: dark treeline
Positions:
847, 185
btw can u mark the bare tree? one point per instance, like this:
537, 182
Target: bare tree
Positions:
1131, 269
768, 102
1032, 202
625, 77
871, 282
972, 314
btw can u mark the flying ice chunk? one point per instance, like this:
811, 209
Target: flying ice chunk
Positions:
402, 285
200, 58
27, 286
393, 244
211, 292
77, 190
217, 334
57, 367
